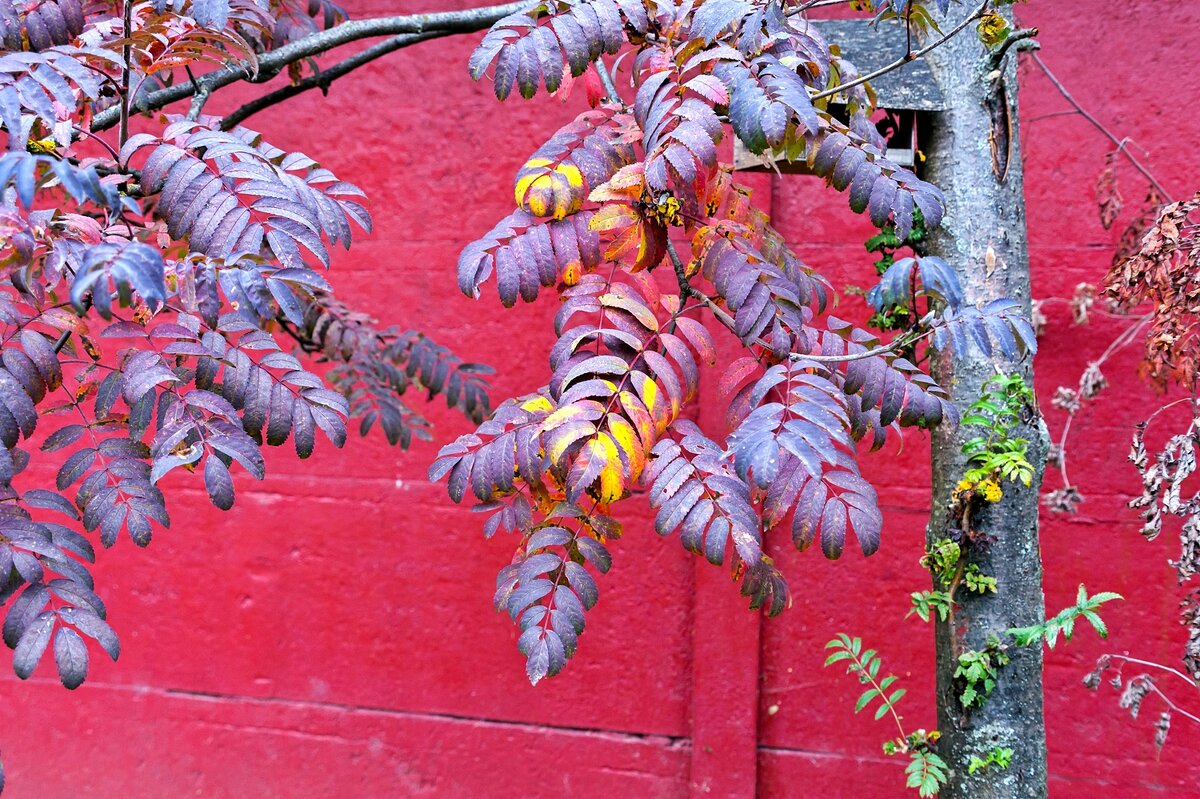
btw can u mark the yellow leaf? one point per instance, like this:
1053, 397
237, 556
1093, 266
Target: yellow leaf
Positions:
655, 402
612, 217
993, 29
627, 440
637, 413
544, 188
562, 442
625, 184
536, 404
610, 482
560, 416
611, 487
41, 146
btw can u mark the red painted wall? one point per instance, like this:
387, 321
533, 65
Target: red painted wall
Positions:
332, 636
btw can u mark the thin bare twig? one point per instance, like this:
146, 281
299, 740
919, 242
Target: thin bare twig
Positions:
1171, 704
906, 58
1159, 666
1123, 340
1050, 115
81, 132
1121, 144
272, 63
323, 79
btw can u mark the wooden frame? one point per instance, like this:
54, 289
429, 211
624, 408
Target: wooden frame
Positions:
911, 91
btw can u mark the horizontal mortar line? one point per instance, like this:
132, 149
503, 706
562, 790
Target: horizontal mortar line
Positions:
1168, 790
1035, 247
822, 755
266, 493
525, 726
297, 476
293, 734
669, 741
1089, 246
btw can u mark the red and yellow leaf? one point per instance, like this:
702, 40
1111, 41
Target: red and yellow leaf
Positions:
548, 189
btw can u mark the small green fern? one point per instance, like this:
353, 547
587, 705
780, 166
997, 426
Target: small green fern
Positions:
1064, 622
998, 455
926, 772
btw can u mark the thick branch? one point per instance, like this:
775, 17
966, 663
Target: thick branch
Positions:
325, 77
1020, 35
272, 63
606, 81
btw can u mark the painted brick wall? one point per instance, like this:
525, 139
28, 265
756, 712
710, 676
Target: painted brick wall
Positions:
333, 635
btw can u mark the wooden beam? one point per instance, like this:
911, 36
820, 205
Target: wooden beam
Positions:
912, 87
869, 47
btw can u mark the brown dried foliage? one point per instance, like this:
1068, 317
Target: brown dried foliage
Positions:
1165, 272
1108, 196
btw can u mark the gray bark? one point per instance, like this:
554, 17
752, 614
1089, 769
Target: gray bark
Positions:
974, 156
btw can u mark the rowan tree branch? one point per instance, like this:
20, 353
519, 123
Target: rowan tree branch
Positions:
272, 63
126, 50
606, 80
198, 101
1019, 35
687, 289
323, 79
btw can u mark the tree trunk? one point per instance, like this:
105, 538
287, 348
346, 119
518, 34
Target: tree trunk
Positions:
974, 156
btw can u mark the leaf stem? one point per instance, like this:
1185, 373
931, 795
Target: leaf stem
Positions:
686, 288
882, 696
